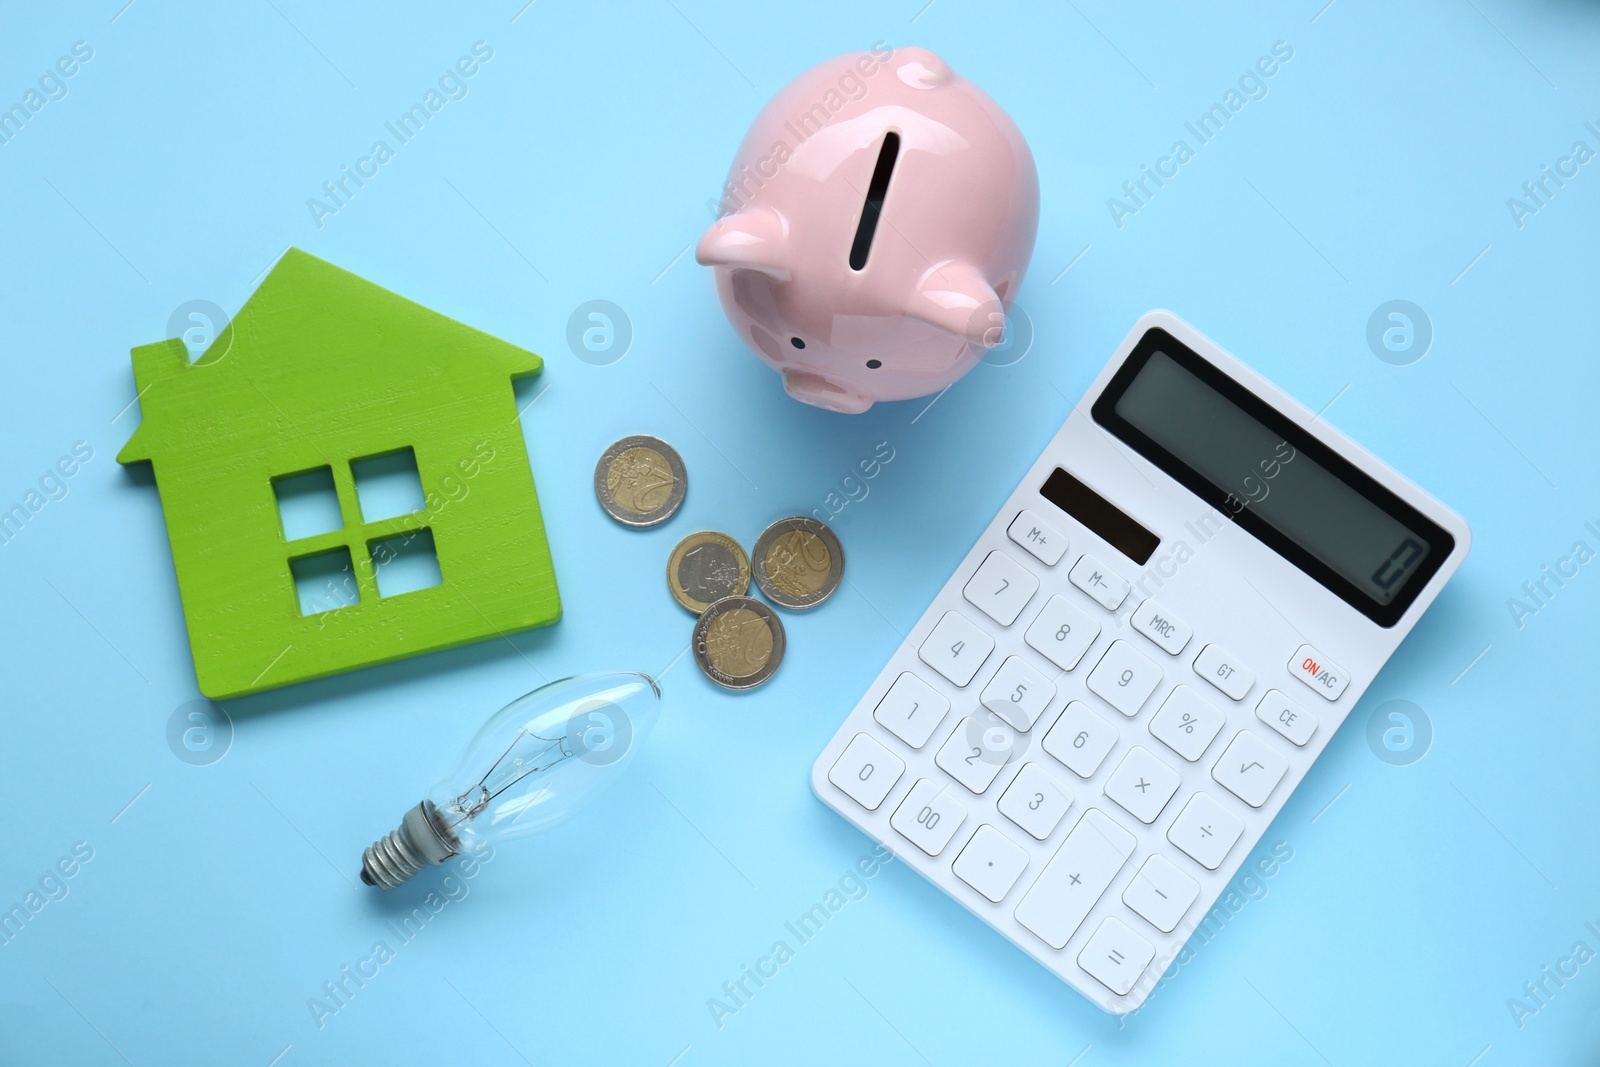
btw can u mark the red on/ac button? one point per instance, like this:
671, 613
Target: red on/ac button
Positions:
1324, 676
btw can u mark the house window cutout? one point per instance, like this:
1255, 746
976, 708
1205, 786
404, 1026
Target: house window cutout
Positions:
308, 504
406, 563
325, 581
388, 486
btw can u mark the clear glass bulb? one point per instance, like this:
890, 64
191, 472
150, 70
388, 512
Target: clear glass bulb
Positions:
532, 765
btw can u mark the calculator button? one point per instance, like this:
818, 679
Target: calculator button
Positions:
1142, 784
991, 863
1222, 669
956, 648
1250, 769
1075, 878
1157, 623
866, 771
1062, 633
1124, 678
1080, 739
1205, 830
1018, 693
929, 816
969, 756
1090, 575
1295, 723
911, 710
1036, 800
1042, 540
1000, 587
1314, 669
1116, 956
1161, 893
1186, 724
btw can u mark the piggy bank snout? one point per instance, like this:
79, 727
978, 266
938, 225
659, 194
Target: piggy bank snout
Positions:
824, 392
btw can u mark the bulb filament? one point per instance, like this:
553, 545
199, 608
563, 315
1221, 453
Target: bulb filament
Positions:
552, 754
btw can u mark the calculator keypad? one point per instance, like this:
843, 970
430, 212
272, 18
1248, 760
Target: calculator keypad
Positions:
1043, 541
1075, 879
1158, 624
1142, 784
1161, 893
1018, 693
1124, 678
1000, 588
956, 648
990, 863
1186, 723
1250, 768
1116, 955
1062, 633
1205, 830
1061, 705
1288, 718
911, 710
1221, 668
929, 816
866, 771
1100, 582
1080, 739
1036, 800
974, 754
1313, 668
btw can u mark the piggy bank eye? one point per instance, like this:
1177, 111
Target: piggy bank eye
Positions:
874, 364
797, 342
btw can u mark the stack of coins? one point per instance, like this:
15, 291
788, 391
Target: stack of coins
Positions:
738, 641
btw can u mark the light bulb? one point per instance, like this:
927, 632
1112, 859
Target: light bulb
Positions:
534, 763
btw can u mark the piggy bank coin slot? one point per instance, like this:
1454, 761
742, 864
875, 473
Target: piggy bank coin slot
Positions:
876, 190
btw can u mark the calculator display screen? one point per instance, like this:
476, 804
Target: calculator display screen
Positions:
1280, 483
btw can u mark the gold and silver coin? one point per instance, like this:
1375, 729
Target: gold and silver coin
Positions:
738, 642
640, 480
797, 563
705, 567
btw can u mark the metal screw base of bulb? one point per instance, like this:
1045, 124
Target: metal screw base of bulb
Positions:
414, 845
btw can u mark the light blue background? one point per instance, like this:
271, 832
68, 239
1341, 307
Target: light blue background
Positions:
579, 167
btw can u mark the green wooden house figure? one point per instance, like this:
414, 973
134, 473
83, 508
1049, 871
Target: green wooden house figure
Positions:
401, 423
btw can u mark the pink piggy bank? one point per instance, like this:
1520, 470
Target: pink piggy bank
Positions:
874, 229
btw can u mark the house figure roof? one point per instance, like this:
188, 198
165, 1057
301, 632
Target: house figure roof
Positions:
321, 376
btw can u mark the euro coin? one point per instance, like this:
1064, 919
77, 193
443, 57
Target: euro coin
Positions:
797, 563
705, 567
738, 642
640, 481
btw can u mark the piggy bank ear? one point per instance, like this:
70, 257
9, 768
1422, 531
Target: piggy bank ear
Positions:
752, 239
955, 297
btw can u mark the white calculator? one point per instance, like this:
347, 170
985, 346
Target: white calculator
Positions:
1106, 705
